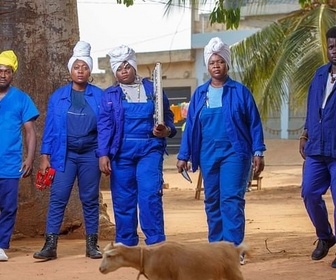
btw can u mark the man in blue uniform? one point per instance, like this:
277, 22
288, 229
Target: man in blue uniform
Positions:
318, 148
16, 110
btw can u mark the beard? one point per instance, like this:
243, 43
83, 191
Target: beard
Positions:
4, 86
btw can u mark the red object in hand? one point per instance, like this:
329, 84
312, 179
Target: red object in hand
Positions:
44, 181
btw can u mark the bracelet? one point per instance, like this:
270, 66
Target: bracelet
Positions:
303, 137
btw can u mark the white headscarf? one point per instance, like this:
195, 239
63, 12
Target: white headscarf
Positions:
120, 54
81, 52
216, 46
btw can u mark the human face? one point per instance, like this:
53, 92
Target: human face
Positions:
125, 73
217, 67
80, 73
331, 52
6, 77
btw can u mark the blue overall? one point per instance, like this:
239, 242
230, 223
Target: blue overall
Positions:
82, 163
16, 108
136, 179
319, 173
9, 193
225, 177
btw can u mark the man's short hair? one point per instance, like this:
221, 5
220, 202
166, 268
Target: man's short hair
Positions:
331, 33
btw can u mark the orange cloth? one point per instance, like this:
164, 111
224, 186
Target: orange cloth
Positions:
177, 113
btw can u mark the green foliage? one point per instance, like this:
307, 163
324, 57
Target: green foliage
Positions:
304, 3
230, 17
280, 60
127, 3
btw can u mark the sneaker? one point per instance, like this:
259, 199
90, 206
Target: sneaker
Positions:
322, 248
3, 256
242, 259
333, 264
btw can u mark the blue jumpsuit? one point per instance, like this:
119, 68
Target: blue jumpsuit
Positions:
125, 135
70, 137
221, 135
319, 172
225, 178
137, 178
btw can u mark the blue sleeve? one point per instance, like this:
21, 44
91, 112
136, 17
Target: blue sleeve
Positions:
168, 116
47, 137
105, 125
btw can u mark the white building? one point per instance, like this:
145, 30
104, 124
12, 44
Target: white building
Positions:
183, 70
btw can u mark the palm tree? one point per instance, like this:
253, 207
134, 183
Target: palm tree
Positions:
283, 57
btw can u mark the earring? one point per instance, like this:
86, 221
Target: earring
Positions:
90, 79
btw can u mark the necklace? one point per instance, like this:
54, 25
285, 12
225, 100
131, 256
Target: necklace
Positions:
132, 92
333, 79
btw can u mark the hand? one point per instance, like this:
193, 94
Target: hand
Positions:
258, 165
181, 165
105, 165
161, 131
302, 144
26, 168
44, 164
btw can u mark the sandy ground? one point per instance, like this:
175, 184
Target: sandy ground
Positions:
277, 229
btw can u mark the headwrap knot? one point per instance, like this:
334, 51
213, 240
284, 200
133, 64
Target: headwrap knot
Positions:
8, 58
216, 46
120, 54
81, 52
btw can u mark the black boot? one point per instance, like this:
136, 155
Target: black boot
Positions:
92, 249
48, 251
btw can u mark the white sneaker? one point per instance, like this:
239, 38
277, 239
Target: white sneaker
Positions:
3, 256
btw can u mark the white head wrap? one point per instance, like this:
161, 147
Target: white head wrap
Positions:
216, 46
120, 54
81, 52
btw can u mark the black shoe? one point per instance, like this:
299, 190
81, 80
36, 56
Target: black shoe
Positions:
49, 250
322, 248
333, 264
92, 249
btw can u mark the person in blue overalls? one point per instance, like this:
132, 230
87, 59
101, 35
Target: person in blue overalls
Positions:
131, 150
17, 111
318, 148
69, 144
223, 133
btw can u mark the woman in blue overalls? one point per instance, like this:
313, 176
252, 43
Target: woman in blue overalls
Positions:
69, 145
223, 132
131, 150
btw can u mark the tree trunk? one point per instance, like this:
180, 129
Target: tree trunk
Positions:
42, 34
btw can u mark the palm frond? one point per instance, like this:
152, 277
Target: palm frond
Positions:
282, 58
